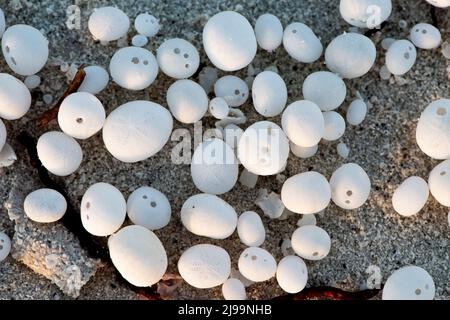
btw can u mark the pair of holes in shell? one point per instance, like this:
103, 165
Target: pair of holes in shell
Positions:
151, 21
237, 92
418, 291
185, 55
423, 31
349, 194
135, 60
152, 203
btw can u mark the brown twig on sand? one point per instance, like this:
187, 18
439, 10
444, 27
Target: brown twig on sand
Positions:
330, 293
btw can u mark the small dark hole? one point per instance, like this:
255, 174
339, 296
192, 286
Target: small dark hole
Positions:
254, 258
1, 247
176, 50
315, 254
135, 60
424, 31
349, 193
7, 49
144, 197
153, 204
87, 217
88, 205
186, 55
443, 173
187, 65
13, 60
79, 120
294, 31
406, 55
145, 62
441, 112
236, 92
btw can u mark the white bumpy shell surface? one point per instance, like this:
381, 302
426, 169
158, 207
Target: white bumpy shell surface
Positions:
45, 205
311, 242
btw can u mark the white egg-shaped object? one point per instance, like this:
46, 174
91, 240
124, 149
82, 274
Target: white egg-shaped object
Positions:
440, 3
400, 57
81, 115
356, 112
137, 130
59, 153
410, 197
350, 186
95, 81
25, 49
178, 58
32, 82
3, 134
342, 150
269, 93
303, 152
301, 43
425, 36
15, 98
269, 32
263, 148
138, 254
234, 289
303, 123
2, 23
187, 101
209, 216
133, 68
45, 205
147, 25
311, 242
149, 208
306, 193
229, 41
251, 229
334, 126
433, 130
108, 24
325, 89
219, 108
292, 274
103, 209
205, 266
365, 13
350, 55
5, 246
409, 283
139, 40
439, 183
233, 89
257, 264
214, 167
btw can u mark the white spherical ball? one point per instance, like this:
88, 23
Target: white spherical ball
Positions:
108, 24
95, 81
139, 40
103, 209
219, 108
138, 254
233, 89
133, 68
15, 98
356, 112
425, 36
269, 93
439, 183
269, 32
311, 242
409, 283
292, 274
351, 55
325, 89
303, 152
306, 193
146, 25
32, 82
137, 130
301, 43
3, 134
25, 49
5, 246
178, 58
229, 41
400, 57
251, 229
350, 186
59, 153
187, 101
234, 289
149, 208
365, 13
303, 123
257, 264
411, 196
334, 126
440, 3
45, 205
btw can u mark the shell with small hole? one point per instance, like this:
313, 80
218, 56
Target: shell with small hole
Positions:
233, 89
425, 36
146, 25
219, 108
45, 205
178, 58
409, 283
311, 242
301, 43
401, 57
257, 264
292, 274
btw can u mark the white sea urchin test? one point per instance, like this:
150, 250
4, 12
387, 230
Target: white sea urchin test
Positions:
425, 36
356, 112
45, 205
311, 242
269, 32
219, 108
257, 264
400, 57
234, 289
409, 283
301, 43
334, 126
187, 101
15, 98
292, 274
325, 89
233, 89
5, 246
95, 81
365, 13
410, 197
439, 183
269, 94
251, 229
139, 40
147, 25
178, 58
108, 24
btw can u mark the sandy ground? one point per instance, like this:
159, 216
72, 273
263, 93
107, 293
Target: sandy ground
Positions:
384, 145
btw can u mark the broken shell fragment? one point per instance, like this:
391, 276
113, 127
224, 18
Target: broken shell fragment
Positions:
15, 98
409, 283
187, 101
5, 246
257, 264
45, 205
178, 58
311, 242
292, 274
108, 24
410, 197
251, 229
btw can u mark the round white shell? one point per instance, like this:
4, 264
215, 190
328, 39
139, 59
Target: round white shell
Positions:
425, 36
147, 25
400, 57
133, 68
103, 209
3, 134
351, 55
229, 41
81, 115
59, 153
350, 186
139, 40
45, 205
303, 123
15, 98
292, 274
301, 43
233, 89
311, 242
356, 112
5, 246
303, 152
334, 126
306, 193
178, 58
263, 148
209, 216
95, 81
108, 24
234, 289
410, 197
325, 89
205, 266
137, 130
187, 101
25, 49
409, 283
269, 94
138, 254
219, 108
251, 229
440, 3
365, 13
149, 208
269, 32
257, 264
439, 183
214, 168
